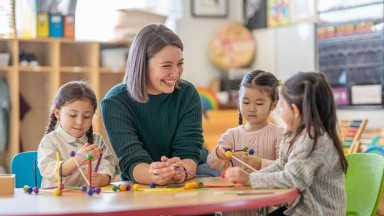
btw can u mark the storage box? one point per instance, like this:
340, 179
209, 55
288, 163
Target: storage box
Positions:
7, 184
130, 21
4, 59
366, 94
114, 57
42, 24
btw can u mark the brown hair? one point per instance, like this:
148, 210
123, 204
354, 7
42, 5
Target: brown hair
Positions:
260, 79
68, 93
149, 41
313, 96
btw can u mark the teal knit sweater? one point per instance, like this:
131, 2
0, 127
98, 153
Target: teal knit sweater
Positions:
168, 124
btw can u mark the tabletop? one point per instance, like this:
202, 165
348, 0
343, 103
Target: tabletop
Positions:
216, 195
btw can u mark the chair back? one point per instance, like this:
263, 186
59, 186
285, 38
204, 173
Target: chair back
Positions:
363, 183
24, 166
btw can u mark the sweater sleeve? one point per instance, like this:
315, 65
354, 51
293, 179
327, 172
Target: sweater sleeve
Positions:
278, 138
119, 123
188, 141
226, 140
299, 171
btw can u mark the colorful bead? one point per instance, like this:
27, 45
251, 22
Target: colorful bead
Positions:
115, 188
251, 152
29, 190
57, 192
228, 154
152, 185
136, 187
25, 188
35, 190
222, 174
72, 153
122, 187
83, 188
89, 191
89, 157
97, 190
128, 186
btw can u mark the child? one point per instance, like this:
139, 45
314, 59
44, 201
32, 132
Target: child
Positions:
257, 98
311, 156
70, 129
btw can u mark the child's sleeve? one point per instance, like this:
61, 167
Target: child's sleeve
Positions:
47, 161
225, 141
107, 163
277, 138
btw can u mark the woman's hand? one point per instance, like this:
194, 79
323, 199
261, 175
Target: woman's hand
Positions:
162, 172
237, 175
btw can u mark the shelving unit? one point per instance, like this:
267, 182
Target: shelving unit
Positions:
350, 42
60, 61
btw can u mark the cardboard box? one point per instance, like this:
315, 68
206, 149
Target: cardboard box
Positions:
130, 21
7, 184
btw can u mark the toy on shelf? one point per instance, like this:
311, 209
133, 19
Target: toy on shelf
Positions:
351, 131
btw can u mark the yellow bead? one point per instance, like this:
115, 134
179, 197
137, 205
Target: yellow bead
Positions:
57, 192
122, 187
228, 154
136, 187
25, 188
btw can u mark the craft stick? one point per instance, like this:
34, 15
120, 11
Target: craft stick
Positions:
35, 171
242, 162
98, 162
229, 154
58, 174
81, 172
184, 171
90, 173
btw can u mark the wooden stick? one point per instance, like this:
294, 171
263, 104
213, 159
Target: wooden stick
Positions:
98, 162
81, 172
242, 162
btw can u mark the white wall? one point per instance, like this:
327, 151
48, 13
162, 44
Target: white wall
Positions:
196, 34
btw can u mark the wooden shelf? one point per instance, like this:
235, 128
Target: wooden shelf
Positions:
61, 60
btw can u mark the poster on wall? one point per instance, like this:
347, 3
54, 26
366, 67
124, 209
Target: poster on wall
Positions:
255, 14
278, 12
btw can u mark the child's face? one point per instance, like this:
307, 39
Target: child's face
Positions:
76, 117
255, 106
288, 115
164, 69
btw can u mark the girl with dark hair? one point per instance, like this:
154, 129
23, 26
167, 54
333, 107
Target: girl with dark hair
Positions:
70, 129
257, 99
311, 158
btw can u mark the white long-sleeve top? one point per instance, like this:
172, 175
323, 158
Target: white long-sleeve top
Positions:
62, 142
265, 142
314, 169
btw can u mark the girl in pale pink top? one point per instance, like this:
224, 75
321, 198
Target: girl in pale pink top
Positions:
257, 98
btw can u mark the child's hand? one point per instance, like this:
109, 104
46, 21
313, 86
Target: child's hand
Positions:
92, 149
237, 175
254, 161
99, 179
220, 152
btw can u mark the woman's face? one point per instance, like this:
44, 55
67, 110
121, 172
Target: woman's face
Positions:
164, 69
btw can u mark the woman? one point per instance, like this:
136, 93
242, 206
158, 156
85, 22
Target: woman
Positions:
153, 118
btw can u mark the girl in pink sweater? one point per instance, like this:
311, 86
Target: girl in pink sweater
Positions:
257, 98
